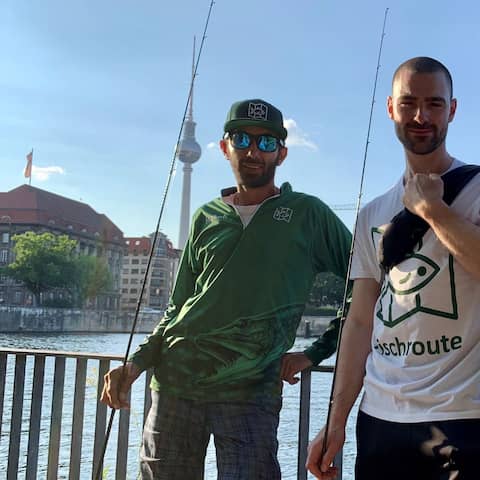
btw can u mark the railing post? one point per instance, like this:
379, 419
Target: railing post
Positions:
16, 420
35, 417
100, 419
77, 415
56, 418
3, 375
122, 443
338, 462
304, 422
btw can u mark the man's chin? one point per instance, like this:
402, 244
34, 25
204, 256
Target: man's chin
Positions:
255, 182
422, 149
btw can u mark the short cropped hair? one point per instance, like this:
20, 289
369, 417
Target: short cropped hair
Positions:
425, 65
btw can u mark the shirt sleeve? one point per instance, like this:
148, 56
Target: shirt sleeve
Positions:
364, 260
332, 245
325, 345
147, 353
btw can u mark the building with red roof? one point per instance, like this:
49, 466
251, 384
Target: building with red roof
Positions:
28, 208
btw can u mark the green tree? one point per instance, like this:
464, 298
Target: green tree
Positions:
43, 262
92, 278
327, 290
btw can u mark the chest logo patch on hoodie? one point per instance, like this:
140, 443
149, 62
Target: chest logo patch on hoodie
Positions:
283, 214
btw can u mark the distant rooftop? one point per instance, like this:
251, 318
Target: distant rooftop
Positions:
34, 206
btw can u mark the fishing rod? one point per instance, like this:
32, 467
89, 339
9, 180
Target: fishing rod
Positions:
357, 211
98, 470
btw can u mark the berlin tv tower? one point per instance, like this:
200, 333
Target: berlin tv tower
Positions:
188, 152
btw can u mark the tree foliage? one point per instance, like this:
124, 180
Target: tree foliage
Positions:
93, 277
46, 261
327, 290
42, 261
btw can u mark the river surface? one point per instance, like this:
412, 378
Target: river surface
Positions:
116, 344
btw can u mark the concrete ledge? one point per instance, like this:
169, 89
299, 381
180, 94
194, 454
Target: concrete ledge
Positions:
46, 320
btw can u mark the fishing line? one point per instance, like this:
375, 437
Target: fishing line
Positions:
345, 294
98, 470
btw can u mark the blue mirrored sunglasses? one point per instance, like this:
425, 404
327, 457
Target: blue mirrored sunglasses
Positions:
265, 143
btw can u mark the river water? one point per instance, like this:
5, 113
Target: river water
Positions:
116, 344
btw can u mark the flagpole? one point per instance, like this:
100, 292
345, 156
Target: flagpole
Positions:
30, 177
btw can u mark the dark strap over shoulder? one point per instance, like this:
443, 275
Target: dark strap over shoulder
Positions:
407, 229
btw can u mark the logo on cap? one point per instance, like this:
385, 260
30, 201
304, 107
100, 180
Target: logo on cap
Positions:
257, 111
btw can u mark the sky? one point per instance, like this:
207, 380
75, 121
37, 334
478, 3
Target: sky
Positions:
98, 90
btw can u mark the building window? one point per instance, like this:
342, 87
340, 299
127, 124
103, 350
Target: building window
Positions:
125, 280
4, 256
18, 297
144, 261
137, 242
134, 261
126, 261
133, 290
134, 281
124, 290
5, 237
134, 271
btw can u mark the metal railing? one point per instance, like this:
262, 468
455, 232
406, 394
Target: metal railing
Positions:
26, 427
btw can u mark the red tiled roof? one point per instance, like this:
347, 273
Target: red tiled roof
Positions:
31, 205
143, 245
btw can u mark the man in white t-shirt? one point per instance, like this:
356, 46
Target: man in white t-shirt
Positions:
412, 335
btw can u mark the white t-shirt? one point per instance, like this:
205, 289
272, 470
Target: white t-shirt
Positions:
425, 358
245, 212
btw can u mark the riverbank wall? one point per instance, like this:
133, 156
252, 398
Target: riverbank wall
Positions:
61, 320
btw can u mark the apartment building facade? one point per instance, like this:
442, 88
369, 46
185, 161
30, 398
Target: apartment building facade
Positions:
160, 278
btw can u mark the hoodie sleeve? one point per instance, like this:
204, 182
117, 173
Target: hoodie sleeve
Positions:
331, 253
148, 353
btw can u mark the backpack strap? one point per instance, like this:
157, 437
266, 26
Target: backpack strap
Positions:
407, 229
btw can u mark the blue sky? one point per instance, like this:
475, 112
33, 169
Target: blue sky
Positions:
98, 88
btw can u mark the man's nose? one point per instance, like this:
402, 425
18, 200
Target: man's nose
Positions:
252, 150
421, 115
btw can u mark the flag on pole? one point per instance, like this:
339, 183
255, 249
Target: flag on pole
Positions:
27, 173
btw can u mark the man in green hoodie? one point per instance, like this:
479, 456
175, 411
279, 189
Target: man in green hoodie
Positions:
219, 353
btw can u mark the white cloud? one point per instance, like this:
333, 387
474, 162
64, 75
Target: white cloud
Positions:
42, 174
211, 145
297, 137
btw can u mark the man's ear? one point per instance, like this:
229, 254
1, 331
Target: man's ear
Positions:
390, 107
282, 154
453, 109
223, 147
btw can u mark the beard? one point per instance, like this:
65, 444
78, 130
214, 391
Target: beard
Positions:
257, 179
420, 145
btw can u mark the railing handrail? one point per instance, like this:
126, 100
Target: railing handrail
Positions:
322, 368
102, 356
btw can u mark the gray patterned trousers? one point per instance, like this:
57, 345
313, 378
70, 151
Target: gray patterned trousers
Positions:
177, 431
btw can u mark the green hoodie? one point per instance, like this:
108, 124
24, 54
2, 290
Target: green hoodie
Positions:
239, 297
